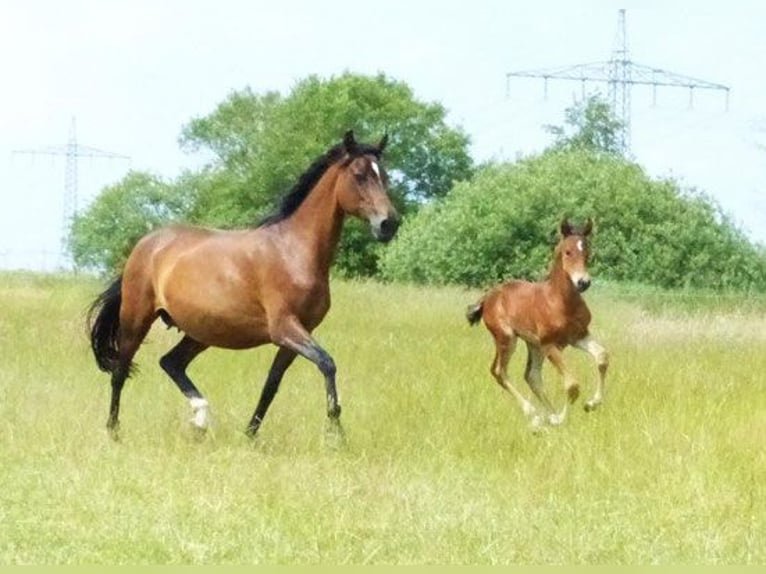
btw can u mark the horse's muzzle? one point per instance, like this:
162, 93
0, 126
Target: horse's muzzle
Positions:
583, 284
386, 229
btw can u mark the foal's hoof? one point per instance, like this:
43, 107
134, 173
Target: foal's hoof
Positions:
556, 419
573, 392
591, 406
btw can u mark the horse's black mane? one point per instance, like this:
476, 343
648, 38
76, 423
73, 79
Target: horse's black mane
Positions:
311, 177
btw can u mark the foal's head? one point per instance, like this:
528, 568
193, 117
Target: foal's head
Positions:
362, 184
573, 250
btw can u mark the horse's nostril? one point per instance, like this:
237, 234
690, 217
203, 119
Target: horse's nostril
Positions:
389, 226
583, 284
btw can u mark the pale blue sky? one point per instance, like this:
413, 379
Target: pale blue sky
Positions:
132, 73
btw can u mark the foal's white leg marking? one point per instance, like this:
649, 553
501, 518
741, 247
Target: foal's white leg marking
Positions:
199, 406
589, 345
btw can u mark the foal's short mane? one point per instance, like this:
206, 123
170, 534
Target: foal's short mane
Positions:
306, 182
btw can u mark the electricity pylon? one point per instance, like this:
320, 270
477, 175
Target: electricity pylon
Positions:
72, 151
620, 73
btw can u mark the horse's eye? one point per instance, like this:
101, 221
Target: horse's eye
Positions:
568, 253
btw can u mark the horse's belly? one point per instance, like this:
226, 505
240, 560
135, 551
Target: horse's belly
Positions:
217, 331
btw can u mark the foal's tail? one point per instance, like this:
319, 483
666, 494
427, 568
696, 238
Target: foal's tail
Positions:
473, 313
104, 325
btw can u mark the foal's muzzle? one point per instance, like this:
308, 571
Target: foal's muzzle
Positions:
583, 284
385, 229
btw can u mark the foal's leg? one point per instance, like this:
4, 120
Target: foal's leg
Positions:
504, 346
570, 383
283, 359
589, 345
174, 363
534, 378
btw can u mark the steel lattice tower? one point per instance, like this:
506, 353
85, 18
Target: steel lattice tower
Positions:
620, 73
72, 151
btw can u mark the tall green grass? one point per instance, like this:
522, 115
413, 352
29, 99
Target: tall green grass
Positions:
439, 465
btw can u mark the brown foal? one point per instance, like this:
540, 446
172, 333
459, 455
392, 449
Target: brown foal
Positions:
548, 316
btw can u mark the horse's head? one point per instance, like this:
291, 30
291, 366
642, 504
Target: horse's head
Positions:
574, 250
362, 184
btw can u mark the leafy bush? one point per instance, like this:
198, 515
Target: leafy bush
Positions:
502, 224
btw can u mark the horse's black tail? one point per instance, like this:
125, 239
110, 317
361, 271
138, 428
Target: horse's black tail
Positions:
473, 313
104, 325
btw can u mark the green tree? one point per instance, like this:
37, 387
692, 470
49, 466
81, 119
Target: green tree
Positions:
102, 237
588, 125
259, 144
266, 141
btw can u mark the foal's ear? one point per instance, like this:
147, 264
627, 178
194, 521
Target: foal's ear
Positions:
588, 227
349, 142
382, 143
565, 228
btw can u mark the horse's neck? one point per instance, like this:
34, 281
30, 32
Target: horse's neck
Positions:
317, 224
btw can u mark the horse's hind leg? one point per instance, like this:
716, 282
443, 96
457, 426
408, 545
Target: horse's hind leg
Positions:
129, 341
174, 363
504, 346
601, 357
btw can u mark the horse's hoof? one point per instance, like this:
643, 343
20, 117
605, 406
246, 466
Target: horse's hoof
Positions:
334, 412
114, 431
335, 436
198, 432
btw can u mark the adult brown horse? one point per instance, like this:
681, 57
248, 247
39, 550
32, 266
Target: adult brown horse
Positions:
241, 289
548, 316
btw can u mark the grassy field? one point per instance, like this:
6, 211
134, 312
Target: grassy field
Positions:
439, 465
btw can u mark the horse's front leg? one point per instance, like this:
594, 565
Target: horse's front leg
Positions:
292, 335
600, 355
282, 361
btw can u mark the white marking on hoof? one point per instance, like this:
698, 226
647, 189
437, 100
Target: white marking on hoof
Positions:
537, 422
528, 409
555, 420
199, 406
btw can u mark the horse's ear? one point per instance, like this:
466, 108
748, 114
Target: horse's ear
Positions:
565, 227
349, 142
382, 143
588, 227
